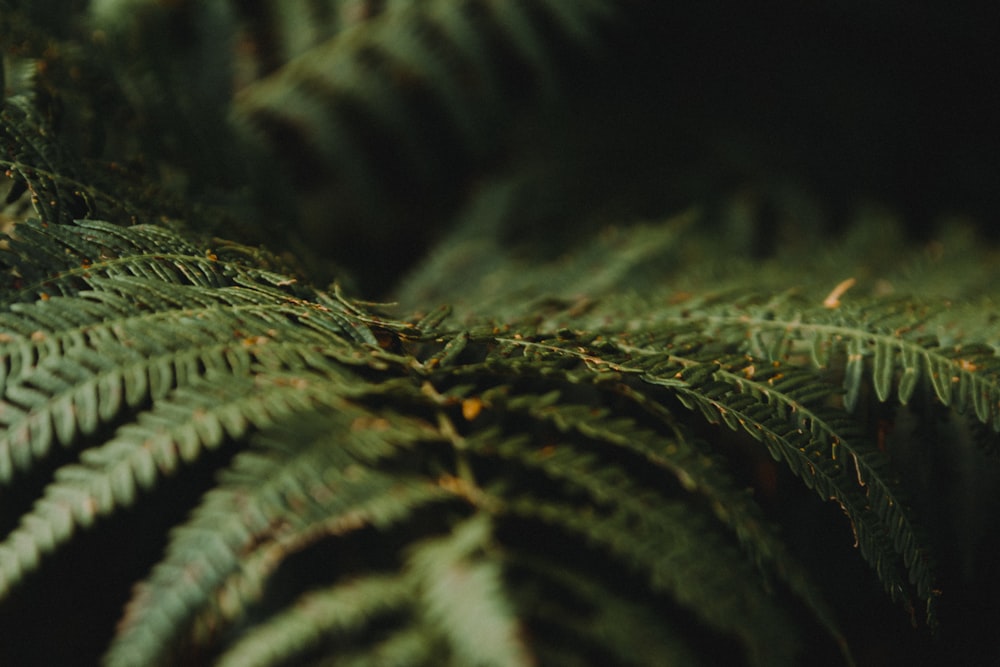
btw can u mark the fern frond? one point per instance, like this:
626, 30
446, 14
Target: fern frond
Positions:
275, 500
49, 260
29, 153
376, 121
281, 31
808, 438
586, 453
592, 616
463, 597
785, 408
893, 344
694, 470
684, 557
320, 617
204, 415
63, 187
153, 338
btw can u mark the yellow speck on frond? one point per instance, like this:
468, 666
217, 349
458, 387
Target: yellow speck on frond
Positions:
253, 341
471, 407
968, 366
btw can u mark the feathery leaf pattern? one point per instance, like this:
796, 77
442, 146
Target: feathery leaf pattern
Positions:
598, 444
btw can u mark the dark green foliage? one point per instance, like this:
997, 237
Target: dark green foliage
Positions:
401, 118
649, 445
34, 161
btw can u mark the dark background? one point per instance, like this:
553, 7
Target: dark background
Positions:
883, 101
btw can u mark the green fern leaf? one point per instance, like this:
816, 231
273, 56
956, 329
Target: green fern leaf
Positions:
29, 152
536, 476
814, 441
674, 552
597, 472
595, 617
144, 353
783, 408
157, 335
462, 596
319, 616
202, 416
893, 343
289, 499
49, 260
374, 123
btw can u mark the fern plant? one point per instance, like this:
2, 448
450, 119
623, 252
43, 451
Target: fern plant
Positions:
610, 456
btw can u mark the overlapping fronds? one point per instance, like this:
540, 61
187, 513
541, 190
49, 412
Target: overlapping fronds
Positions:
116, 345
276, 500
787, 410
529, 462
378, 121
300, 491
195, 359
463, 67
453, 453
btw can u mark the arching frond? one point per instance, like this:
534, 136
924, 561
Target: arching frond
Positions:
891, 345
204, 415
340, 610
677, 456
276, 499
153, 340
377, 122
